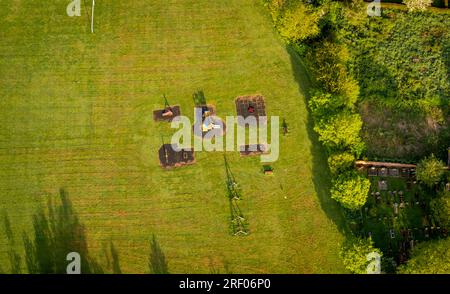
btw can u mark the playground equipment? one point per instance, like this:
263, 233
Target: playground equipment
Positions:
168, 113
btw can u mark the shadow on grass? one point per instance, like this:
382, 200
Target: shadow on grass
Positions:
14, 258
320, 171
112, 258
157, 261
57, 232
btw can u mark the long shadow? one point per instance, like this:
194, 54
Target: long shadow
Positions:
321, 175
157, 261
223, 269
112, 258
57, 232
15, 260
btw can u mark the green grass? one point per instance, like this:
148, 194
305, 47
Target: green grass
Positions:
76, 112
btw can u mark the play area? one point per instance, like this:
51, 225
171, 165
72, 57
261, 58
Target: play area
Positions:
168, 113
168, 157
87, 112
211, 126
247, 106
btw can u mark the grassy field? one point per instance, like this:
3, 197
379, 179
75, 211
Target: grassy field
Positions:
76, 112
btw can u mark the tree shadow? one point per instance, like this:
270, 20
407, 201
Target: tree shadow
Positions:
320, 172
57, 232
224, 268
112, 258
15, 260
157, 260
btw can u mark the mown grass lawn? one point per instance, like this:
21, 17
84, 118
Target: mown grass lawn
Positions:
76, 112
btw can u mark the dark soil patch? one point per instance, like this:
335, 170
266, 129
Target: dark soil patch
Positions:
167, 114
250, 106
253, 149
168, 157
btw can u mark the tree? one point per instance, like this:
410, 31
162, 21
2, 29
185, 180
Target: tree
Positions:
298, 22
432, 257
340, 162
430, 171
323, 104
350, 189
330, 69
355, 253
340, 131
417, 5
440, 209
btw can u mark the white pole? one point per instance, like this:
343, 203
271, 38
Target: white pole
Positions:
92, 20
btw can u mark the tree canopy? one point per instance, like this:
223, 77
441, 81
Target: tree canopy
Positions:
340, 131
417, 5
298, 22
355, 254
430, 171
350, 189
440, 209
340, 162
432, 257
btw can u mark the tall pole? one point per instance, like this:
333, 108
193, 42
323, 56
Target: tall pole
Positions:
92, 19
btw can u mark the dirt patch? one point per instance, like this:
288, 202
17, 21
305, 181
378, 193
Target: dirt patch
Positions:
168, 157
167, 114
253, 149
250, 106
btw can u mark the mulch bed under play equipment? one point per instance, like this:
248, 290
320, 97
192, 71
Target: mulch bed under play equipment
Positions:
250, 106
168, 157
211, 125
167, 114
254, 149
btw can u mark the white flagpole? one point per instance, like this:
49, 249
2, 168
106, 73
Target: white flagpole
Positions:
92, 20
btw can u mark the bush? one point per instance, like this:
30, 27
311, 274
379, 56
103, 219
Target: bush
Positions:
340, 162
440, 209
350, 189
355, 253
432, 257
350, 89
329, 66
298, 22
417, 5
322, 105
430, 171
340, 131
